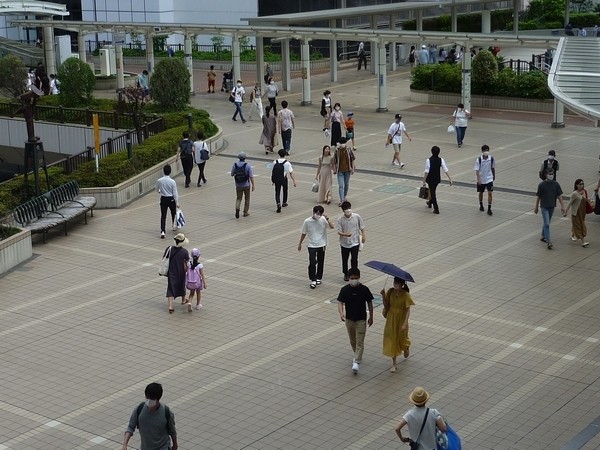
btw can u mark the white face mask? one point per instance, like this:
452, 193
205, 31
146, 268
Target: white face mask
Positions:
550, 177
348, 212
317, 216
271, 82
151, 403
354, 282
550, 157
337, 108
486, 154
239, 85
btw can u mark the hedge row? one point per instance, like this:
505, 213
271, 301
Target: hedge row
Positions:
585, 20
466, 23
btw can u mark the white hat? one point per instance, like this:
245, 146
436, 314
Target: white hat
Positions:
423, 46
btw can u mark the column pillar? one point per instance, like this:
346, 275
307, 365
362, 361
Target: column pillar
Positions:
333, 69
187, 48
453, 20
149, 53
392, 45
381, 78
49, 50
81, 46
567, 12
235, 56
305, 57
420, 20
466, 78
373, 47
486, 21
559, 115
286, 82
516, 8
119, 63
260, 60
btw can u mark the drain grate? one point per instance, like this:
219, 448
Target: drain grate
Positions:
394, 189
377, 300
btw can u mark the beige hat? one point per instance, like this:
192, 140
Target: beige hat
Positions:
418, 396
180, 240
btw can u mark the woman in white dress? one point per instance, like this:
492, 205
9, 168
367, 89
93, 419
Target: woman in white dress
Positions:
256, 102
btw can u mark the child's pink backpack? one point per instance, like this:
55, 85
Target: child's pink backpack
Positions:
193, 280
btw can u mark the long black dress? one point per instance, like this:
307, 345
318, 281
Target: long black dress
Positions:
177, 272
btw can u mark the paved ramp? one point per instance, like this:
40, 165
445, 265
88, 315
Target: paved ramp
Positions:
574, 78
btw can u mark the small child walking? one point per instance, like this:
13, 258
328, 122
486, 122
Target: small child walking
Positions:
194, 279
349, 122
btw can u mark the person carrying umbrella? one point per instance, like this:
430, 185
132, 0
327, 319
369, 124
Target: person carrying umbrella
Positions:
396, 310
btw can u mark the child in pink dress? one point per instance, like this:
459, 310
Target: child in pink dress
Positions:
194, 279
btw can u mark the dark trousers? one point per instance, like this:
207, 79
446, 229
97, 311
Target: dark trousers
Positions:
433, 200
201, 174
166, 203
278, 187
273, 104
316, 258
188, 164
351, 252
286, 139
362, 59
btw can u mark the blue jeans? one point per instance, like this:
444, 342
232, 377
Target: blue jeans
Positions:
238, 110
343, 183
286, 139
460, 134
547, 217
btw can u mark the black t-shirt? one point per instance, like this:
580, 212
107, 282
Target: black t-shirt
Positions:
355, 299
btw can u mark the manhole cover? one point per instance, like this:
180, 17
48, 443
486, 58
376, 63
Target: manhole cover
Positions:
377, 300
394, 189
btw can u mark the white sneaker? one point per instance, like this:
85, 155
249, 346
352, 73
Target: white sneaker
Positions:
313, 284
355, 367
573, 238
189, 305
199, 305
162, 234
174, 227
401, 165
395, 163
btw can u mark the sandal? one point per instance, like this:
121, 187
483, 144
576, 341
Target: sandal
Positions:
184, 301
171, 310
393, 369
406, 352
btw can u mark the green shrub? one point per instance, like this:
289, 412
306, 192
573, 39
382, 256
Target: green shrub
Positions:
13, 75
584, 19
464, 22
170, 85
532, 84
7, 231
12, 193
485, 73
77, 82
506, 83
439, 77
553, 25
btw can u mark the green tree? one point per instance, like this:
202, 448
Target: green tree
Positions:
545, 10
170, 84
77, 82
485, 72
159, 43
13, 75
135, 101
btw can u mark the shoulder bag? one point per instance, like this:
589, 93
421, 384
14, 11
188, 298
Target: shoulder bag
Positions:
414, 445
163, 267
589, 206
232, 96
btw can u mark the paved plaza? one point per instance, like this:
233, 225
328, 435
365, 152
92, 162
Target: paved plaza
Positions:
504, 332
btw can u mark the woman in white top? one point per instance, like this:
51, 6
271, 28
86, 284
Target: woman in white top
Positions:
271, 92
200, 157
459, 119
336, 119
421, 421
256, 101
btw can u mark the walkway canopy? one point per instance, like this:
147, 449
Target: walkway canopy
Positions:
33, 8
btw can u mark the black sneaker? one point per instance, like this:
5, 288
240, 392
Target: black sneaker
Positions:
278, 208
481, 208
237, 213
490, 212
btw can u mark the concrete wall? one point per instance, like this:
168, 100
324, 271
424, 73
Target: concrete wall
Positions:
57, 138
481, 101
15, 250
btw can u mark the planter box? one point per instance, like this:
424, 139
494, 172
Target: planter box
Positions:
14, 250
483, 101
126, 192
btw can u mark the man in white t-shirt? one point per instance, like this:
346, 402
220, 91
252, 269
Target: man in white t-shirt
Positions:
485, 170
282, 168
394, 137
315, 227
238, 94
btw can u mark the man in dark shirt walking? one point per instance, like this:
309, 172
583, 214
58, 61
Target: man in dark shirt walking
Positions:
355, 297
548, 192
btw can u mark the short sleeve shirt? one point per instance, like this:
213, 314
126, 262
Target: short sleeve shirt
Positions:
396, 130
287, 166
315, 231
248, 172
355, 299
548, 192
285, 116
485, 166
414, 419
350, 225
349, 125
239, 92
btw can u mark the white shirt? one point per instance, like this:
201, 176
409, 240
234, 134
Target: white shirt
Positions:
414, 419
582, 32
427, 166
460, 116
287, 167
54, 87
199, 145
285, 116
351, 224
167, 187
315, 231
396, 130
361, 46
238, 92
485, 169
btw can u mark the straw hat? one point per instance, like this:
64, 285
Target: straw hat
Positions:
418, 396
180, 240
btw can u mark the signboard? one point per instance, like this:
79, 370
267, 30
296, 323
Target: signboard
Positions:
118, 38
96, 134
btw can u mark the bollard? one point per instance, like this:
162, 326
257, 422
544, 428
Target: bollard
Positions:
129, 146
190, 121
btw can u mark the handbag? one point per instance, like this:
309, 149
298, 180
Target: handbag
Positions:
450, 441
232, 96
597, 205
163, 267
451, 129
414, 445
179, 219
424, 192
315, 187
275, 140
589, 208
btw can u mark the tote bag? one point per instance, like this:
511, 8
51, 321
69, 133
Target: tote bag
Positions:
163, 267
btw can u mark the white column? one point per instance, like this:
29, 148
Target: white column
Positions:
466, 77
486, 21
559, 115
453, 20
149, 53
516, 8
286, 82
392, 45
49, 50
260, 60
235, 55
187, 46
333, 75
119, 62
373, 46
420, 20
381, 78
81, 46
305, 58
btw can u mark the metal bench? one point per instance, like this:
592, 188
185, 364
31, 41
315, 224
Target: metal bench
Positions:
53, 208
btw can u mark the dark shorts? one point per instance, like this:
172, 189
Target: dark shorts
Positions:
483, 187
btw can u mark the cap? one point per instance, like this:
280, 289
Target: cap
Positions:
350, 113
242, 155
398, 116
423, 46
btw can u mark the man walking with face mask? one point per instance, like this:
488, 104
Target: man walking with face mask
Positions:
548, 192
315, 229
351, 230
485, 170
155, 421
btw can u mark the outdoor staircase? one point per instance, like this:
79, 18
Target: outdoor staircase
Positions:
29, 54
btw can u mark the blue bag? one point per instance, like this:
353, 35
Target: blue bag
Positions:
453, 440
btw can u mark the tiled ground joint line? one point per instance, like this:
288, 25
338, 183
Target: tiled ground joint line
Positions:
140, 385
388, 426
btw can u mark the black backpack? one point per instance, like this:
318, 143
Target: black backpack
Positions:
411, 57
239, 175
141, 407
277, 175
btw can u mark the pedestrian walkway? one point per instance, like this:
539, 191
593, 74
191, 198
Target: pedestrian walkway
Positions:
504, 332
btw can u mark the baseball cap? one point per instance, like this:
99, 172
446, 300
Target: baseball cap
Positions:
242, 155
398, 116
423, 46
350, 113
